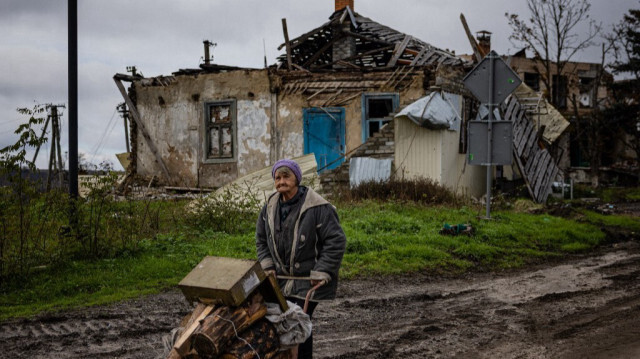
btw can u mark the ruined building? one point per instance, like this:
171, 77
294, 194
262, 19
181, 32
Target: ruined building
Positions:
333, 89
333, 92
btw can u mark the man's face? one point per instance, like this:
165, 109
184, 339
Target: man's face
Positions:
285, 182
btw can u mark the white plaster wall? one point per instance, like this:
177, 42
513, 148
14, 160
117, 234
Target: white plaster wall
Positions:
253, 134
293, 145
174, 118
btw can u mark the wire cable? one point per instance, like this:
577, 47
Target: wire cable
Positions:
94, 150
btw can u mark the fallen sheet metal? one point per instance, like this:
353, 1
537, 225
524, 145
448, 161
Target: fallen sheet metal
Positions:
434, 111
259, 184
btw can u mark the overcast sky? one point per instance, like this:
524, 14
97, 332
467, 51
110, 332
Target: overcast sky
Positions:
162, 36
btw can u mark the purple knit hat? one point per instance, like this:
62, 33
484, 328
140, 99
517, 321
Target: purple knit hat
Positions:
291, 164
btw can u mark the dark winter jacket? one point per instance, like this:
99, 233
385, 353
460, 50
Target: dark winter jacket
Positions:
314, 248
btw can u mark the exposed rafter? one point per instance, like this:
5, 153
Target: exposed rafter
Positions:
373, 44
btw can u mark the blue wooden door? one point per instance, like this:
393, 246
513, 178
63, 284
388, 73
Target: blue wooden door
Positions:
324, 136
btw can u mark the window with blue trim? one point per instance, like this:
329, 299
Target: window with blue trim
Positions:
378, 110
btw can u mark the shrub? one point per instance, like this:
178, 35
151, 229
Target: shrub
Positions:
232, 210
420, 190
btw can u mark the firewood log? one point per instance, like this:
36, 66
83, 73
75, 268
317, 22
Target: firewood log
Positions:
218, 329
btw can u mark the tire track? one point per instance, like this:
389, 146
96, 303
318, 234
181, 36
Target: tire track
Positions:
560, 310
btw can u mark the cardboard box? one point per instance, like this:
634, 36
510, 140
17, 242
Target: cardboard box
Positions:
228, 281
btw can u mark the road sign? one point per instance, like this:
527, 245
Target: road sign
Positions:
501, 143
491, 81
505, 80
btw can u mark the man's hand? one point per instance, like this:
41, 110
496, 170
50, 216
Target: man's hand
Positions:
315, 282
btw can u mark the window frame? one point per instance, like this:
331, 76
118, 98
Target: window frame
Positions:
530, 77
207, 130
395, 102
560, 86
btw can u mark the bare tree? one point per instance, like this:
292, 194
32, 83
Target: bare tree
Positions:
625, 111
554, 33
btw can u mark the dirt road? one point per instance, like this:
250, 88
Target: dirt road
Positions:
585, 307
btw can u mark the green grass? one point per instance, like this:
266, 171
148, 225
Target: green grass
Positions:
620, 220
383, 238
620, 194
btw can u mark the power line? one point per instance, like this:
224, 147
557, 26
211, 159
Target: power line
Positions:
95, 149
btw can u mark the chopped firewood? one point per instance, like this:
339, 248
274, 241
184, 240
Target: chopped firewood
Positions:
218, 329
183, 344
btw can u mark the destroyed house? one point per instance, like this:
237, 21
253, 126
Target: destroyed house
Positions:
332, 90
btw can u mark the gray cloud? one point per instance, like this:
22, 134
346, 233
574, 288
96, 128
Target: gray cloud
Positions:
162, 36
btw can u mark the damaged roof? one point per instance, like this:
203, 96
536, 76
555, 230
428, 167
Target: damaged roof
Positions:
376, 45
540, 111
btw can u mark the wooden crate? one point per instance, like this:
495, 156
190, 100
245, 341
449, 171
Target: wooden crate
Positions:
227, 281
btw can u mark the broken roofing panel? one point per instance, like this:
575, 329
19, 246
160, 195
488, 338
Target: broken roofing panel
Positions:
376, 45
259, 184
541, 113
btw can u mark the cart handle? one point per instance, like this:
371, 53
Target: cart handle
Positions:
310, 292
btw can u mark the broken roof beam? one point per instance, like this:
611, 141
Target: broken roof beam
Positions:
321, 51
474, 45
355, 57
399, 50
418, 56
298, 67
367, 38
300, 39
286, 42
136, 117
347, 11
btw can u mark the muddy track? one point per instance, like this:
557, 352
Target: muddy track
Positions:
586, 307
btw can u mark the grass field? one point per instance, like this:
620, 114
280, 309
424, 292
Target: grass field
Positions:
383, 238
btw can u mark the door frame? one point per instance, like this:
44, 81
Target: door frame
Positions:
341, 130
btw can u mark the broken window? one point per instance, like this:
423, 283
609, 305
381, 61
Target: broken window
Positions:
220, 130
378, 111
532, 80
559, 86
587, 90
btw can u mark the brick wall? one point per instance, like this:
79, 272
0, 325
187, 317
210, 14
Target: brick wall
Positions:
345, 47
340, 4
380, 145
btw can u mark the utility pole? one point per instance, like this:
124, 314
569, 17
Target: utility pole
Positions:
55, 155
122, 109
73, 98
207, 57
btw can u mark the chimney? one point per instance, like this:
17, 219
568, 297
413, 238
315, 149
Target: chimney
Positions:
341, 4
345, 47
484, 41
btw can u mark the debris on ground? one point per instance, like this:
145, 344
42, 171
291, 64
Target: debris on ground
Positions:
257, 186
457, 229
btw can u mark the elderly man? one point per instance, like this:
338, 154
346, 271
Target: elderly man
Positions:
299, 237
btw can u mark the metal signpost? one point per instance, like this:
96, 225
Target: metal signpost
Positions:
491, 81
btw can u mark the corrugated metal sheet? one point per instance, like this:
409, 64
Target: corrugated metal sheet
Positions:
418, 150
456, 173
260, 183
367, 169
422, 152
